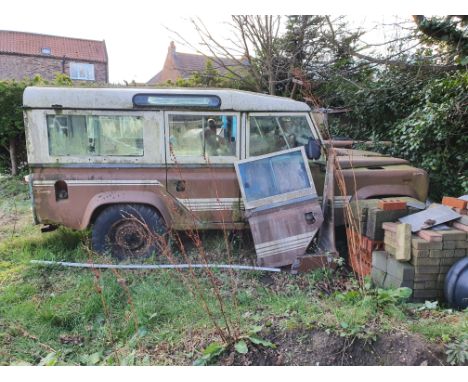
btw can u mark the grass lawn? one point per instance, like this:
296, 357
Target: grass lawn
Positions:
55, 315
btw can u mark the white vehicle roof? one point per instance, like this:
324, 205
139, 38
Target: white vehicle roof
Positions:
122, 98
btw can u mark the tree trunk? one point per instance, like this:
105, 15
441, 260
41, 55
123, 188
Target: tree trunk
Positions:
12, 150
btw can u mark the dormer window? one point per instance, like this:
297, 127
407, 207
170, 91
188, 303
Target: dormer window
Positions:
46, 51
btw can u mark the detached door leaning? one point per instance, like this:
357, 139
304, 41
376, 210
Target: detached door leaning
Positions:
281, 205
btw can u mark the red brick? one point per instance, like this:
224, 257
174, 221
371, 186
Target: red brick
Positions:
429, 235
391, 205
460, 226
392, 227
453, 202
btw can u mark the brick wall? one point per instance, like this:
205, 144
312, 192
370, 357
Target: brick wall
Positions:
15, 67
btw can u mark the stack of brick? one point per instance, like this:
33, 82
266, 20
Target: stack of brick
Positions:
365, 233
432, 259
419, 261
360, 250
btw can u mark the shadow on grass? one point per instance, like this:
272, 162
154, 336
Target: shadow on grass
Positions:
62, 244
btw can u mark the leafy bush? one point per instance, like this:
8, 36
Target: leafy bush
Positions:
435, 135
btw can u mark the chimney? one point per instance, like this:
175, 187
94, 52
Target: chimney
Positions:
171, 49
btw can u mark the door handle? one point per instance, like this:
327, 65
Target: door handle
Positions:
309, 217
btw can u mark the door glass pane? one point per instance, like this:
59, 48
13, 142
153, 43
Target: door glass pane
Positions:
275, 133
203, 135
280, 174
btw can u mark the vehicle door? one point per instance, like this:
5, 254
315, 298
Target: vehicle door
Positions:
281, 204
201, 148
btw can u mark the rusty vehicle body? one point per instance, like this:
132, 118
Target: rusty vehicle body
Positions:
173, 152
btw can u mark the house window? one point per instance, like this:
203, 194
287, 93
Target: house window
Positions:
81, 71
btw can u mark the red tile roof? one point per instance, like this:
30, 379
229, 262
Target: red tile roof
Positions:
188, 64
32, 44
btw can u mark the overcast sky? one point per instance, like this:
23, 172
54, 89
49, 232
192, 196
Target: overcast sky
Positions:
136, 31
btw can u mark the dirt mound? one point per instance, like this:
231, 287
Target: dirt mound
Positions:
317, 347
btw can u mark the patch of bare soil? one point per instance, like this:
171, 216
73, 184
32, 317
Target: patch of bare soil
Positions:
317, 347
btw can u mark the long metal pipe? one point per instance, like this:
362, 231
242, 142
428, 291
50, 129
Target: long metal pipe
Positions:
155, 266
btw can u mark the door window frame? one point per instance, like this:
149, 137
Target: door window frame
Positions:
272, 114
199, 159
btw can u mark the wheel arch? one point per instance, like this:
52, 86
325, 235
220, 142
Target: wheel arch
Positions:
384, 190
106, 199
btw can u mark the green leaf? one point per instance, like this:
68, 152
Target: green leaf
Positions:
404, 292
128, 360
260, 341
211, 352
256, 329
50, 359
213, 349
93, 359
241, 347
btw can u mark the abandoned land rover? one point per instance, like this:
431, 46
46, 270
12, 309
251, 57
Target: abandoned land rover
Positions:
100, 155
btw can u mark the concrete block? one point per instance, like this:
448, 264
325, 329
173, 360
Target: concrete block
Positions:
420, 261
447, 253
395, 282
425, 276
397, 269
460, 252
375, 219
427, 293
419, 285
403, 248
452, 244
390, 235
379, 260
431, 284
418, 243
448, 260
441, 279
378, 277
427, 269
390, 249
391, 243
444, 268
437, 253
452, 234
462, 244
420, 253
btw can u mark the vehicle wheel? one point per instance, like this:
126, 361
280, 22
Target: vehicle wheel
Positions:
128, 231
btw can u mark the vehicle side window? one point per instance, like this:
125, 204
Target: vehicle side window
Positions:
203, 135
275, 133
91, 135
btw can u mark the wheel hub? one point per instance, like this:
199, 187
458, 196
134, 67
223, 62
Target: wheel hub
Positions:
131, 236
